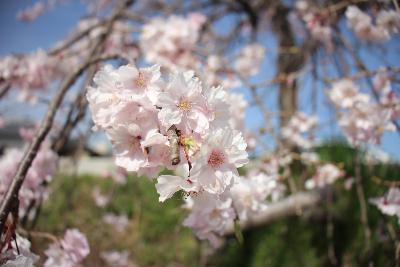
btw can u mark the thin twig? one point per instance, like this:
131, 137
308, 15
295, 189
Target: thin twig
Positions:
362, 202
5, 87
80, 105
76, 37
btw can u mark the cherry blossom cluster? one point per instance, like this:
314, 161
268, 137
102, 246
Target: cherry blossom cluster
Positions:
316, 21
253, 193
325, 174
115, 258
31, 13
390, 203
171, 41
299, 125
217, 70
211, 215
362, 119
249, 59
29, 73
68, 252
181, 125
34, 189
387, 23
119, 222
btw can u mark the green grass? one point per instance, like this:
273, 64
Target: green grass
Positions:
155, 236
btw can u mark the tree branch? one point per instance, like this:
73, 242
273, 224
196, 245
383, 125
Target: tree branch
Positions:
289, 206
12, 193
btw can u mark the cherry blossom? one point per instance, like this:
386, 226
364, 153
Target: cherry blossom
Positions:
237, 109
141, 85
168, 185
171, 41
41, 172
390, 203
364, 120
215, 166
183, 103
115, 89
115, 258
222, 152
389, 20
249, 59
345, 93
218, 108
18, 257
119, 222
298, 125
365, 123
210, 216
69, 252
100, 199
325, 175
31, 13
250, 193
317, 23
29, 73
362, 24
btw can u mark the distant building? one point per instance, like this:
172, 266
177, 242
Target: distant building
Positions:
9, 134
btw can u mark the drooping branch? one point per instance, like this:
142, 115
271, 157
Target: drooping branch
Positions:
12, 193
73, 39
76, 113
289, 206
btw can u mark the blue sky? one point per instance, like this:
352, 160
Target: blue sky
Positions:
54, 25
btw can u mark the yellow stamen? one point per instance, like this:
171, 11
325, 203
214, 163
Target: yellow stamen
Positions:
140, 81
184, 105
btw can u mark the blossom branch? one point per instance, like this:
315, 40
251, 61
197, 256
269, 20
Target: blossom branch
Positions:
30, 154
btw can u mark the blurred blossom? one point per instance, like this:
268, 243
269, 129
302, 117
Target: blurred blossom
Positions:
100, 199
115, 258
31, 13
297, 127
69, 252
18, 257
119, 222
390, 203
249, 59
325, 175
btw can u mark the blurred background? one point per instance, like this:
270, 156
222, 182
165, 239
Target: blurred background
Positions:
120, 212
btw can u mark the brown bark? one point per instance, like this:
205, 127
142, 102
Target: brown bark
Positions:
290, 60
